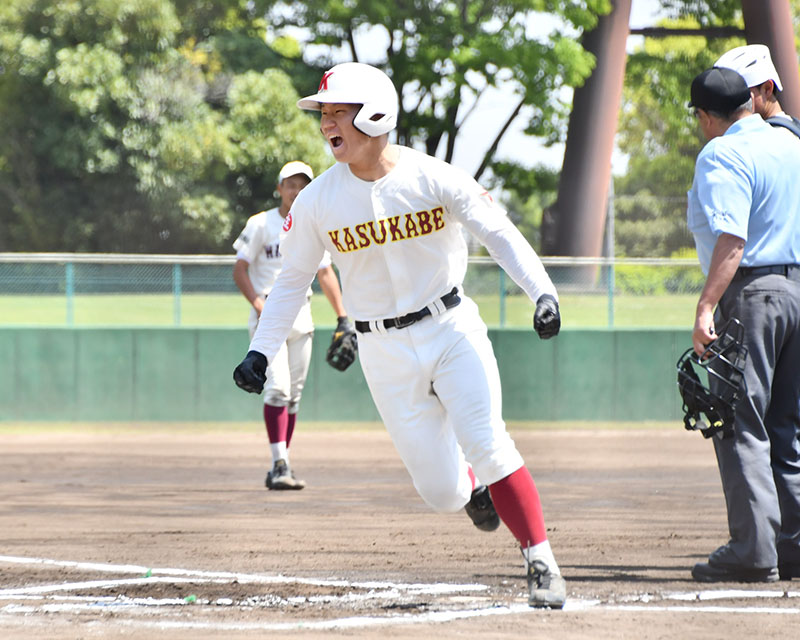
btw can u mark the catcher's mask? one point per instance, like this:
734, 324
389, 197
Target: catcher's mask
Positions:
715, 393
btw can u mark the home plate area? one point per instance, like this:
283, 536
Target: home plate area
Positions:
52, 587
180, 598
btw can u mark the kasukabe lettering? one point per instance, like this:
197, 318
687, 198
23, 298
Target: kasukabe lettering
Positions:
393, 229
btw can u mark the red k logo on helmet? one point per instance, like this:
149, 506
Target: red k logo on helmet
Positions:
287, 223
323, 84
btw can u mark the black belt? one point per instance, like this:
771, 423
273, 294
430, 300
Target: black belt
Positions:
779, 269
449, 300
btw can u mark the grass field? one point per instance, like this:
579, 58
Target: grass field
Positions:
230, 310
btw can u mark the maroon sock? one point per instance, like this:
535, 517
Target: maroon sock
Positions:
517, 503
292, 418
276, 419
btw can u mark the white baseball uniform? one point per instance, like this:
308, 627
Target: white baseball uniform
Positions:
399, 247
259, 245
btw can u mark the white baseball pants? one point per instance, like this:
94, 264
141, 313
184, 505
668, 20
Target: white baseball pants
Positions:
437, 388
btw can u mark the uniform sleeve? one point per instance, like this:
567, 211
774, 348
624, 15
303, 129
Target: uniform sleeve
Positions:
280, 310
326, 261
723, 192
302, 247
248, 243
472, 205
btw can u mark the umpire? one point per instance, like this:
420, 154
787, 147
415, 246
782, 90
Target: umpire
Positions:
744, 213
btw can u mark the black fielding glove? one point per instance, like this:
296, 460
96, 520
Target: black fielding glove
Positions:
251, 374
546, 318
344, 345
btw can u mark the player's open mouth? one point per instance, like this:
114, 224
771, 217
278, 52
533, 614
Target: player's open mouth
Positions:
336, 141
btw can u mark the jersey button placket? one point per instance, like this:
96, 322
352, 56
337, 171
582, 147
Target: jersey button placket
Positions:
379, 213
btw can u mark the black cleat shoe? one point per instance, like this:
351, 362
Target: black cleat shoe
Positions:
708, 572
546, 590
480, 509
281, 478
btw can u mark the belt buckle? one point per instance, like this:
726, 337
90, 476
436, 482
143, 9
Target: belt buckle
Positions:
405, 321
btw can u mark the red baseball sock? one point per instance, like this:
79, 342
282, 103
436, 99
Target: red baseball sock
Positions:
517, 503
291, 420
276, 419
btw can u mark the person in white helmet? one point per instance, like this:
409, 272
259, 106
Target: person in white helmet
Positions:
754, 63
259, 257
392, 219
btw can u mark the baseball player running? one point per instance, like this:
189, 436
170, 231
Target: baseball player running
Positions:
392, 219
258, 263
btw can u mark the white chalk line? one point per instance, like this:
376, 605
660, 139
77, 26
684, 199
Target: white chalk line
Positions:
729, 594
244, 578
54, 602
373, 590
707, 609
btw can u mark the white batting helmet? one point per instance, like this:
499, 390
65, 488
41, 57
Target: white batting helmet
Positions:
753, 63
358, 83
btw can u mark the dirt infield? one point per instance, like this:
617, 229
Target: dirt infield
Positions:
171, 535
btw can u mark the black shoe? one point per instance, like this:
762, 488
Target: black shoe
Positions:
708, 572
546, 590
788, 570
480, 509
281, 478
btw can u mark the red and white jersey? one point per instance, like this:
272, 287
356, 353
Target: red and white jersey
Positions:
397, 242
259, 244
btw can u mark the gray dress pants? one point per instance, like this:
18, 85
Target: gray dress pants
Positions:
760, 465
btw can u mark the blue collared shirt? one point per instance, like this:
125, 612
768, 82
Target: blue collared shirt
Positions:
747, 183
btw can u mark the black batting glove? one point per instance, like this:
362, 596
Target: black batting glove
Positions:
546, 318
344, 326
251, 374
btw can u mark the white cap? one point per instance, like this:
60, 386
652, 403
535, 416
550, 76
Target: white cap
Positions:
359, 83
753, 63
295, 168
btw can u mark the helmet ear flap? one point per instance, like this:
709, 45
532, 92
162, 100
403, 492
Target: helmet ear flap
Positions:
722, 364
374, 121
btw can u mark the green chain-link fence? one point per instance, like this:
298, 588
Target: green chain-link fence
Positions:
170, 290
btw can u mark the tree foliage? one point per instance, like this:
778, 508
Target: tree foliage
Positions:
442, 55
658, 132
662, 139
127, 128
159, 125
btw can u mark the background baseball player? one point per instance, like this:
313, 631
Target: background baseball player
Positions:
258, 262
392, 219
754, 63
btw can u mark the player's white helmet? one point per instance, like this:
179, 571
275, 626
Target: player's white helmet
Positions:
358, 83
753, 63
